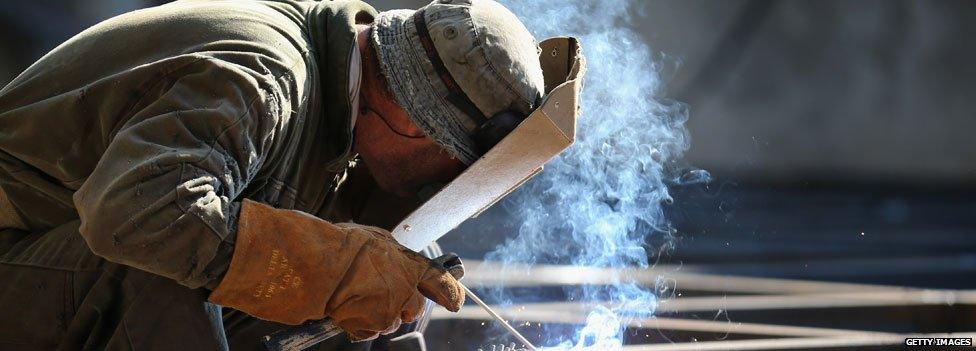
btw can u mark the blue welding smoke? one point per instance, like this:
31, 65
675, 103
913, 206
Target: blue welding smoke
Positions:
601, 202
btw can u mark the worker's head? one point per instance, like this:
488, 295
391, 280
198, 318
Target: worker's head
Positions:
441, 86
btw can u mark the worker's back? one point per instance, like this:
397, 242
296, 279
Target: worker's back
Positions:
59, 116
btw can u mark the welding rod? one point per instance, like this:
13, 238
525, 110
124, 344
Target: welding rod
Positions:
297, 338
498, 318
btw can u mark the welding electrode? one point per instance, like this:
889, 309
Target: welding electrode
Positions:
498, 318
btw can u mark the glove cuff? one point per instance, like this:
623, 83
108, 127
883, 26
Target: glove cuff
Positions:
278, 269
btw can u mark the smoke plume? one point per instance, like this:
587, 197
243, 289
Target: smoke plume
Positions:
600, 203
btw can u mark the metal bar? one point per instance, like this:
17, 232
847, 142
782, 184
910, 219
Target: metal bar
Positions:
300, 337
818, 268
832, 343
484, 273
741, 303
732, 327
807, 301
530, 316
767, 302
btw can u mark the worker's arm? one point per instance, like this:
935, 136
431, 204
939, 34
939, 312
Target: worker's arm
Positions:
166, 198
290, 267
161, 197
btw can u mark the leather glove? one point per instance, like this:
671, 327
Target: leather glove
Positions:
289, 267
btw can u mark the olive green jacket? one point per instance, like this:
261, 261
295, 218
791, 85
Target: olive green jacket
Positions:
147, 130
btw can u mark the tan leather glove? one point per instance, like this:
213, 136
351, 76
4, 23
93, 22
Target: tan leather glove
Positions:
289, 267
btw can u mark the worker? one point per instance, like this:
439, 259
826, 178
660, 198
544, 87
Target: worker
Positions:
169, 176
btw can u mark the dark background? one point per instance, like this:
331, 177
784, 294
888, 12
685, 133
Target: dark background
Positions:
839, 133
784, 92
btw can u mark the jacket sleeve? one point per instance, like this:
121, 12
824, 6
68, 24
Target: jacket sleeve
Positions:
162, 196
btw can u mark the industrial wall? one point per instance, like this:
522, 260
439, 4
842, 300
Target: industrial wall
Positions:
827, 91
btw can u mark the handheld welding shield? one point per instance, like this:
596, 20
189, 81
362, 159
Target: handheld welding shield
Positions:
517, 148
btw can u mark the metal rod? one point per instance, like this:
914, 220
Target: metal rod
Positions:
498, 318
300, 337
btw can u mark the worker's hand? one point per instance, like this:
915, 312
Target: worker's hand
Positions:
384, 284
290, 267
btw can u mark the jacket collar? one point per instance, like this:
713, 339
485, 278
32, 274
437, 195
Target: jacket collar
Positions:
327, 136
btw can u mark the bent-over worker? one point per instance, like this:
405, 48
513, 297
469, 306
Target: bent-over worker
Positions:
170, 177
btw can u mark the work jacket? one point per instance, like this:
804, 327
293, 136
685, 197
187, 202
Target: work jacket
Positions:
146, 131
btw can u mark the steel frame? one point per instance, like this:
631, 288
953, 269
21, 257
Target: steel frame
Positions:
757, 294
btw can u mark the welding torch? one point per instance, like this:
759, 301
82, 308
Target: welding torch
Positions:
303, 336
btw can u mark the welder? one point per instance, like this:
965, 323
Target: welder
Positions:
176, 178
